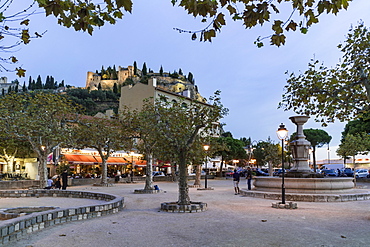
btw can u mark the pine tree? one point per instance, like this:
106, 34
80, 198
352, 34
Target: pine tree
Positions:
3, 91
135, 68
114, 72
99, 86
180, 71
38, 83
30, 83
16, 88
161, 71
24, 88
52, 82
190, 77
61, 84
144, 70
115, 88
47, 82
9, 89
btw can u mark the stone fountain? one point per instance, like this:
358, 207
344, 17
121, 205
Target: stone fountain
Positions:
300, 178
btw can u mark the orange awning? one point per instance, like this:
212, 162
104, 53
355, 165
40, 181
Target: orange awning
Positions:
113, 160
80, 159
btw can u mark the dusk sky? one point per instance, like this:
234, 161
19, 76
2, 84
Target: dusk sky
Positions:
251, 79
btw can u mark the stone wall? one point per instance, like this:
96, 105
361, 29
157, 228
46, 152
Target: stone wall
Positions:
13, 229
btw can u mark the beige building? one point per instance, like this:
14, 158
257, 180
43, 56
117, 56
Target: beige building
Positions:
132, 96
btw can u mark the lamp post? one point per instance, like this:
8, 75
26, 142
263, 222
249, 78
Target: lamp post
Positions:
132, 165
206, 148
282, 133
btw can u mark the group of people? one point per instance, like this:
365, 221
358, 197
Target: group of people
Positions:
236, 180
60, 182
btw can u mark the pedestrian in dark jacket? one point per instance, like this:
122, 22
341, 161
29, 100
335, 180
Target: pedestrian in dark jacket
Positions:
64, 176
236, 179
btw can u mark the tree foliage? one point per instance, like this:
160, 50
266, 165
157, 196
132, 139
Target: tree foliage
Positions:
353, 145
357, 126
180, 128
88, 15
341, 92
102, 134
38, 118
303, 14
317, 138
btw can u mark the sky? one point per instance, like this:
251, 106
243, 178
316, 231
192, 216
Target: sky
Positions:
251, 79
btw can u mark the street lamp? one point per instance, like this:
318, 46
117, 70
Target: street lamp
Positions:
132, 166
206, 148
282, 133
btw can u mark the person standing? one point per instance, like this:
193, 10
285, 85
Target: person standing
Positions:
236, 179
64, 176
248, 176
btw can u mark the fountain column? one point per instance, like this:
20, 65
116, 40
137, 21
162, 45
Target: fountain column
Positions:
300, 148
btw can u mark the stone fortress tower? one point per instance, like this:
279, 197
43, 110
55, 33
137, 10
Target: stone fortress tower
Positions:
179, 85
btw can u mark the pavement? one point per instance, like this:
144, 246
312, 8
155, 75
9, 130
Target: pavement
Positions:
230, 220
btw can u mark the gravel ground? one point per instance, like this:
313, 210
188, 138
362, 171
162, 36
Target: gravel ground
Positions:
231, 220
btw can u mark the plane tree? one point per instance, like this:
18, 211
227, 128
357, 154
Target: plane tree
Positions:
340, 92
180, 127
39, 118
141, 124
10, 148
102, 134
353, 145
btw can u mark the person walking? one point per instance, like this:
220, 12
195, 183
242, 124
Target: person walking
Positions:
248, 176
236, 179
64, 176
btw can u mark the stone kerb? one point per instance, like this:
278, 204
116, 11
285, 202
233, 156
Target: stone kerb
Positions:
13, 229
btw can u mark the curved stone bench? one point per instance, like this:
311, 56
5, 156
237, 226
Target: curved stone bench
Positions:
13, 229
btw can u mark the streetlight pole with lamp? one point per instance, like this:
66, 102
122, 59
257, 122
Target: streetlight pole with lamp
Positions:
282, 134
206, 148
132, 166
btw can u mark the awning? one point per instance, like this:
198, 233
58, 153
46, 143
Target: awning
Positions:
80, 159
113, 160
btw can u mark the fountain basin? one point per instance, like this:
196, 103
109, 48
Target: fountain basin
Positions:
305, 185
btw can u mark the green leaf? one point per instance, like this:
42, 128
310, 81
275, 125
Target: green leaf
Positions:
20, 72
25, 22
126, 4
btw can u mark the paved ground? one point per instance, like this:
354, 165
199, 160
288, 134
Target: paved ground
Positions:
231, 220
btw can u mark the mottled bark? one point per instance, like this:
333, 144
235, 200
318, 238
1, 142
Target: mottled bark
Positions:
198, 173
43, 171
149, 173
184, 198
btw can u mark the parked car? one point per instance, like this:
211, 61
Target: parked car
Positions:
158, 174
329, 172
259, 173
346, 172
229, 173
361, 173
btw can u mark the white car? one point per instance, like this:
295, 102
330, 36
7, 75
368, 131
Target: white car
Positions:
361, 173
158, 174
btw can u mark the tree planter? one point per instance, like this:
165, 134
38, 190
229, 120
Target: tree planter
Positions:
193, 207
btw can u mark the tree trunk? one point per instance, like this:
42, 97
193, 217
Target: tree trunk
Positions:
314, 158
104, 171
354, 171
198, 173
173, 172
270, 169
149, 173
184, 198
43, 171
221, 166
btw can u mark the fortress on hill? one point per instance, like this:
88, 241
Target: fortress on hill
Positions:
175, 82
